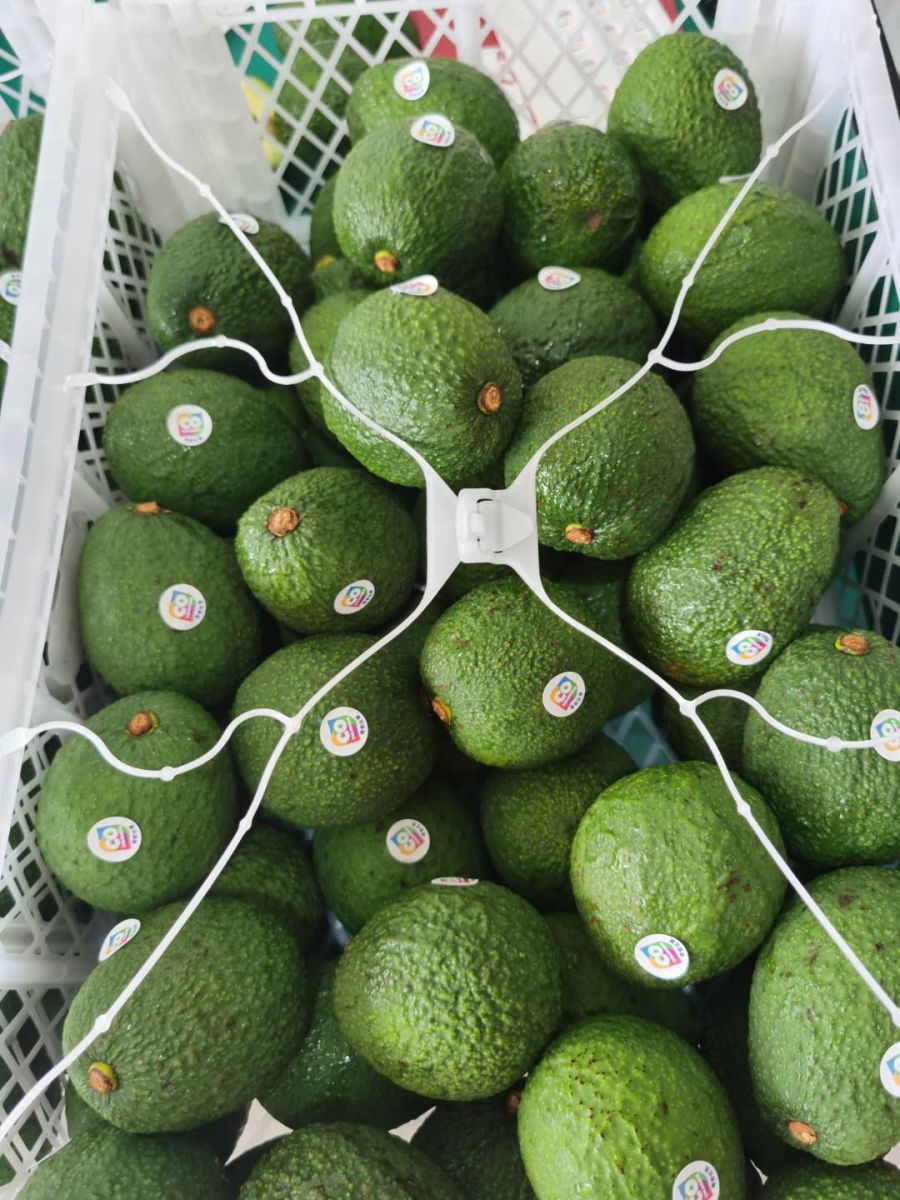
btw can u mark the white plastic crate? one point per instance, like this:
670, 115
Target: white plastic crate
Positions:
181, 63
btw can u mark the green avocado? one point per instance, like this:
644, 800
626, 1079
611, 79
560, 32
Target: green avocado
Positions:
724, 717
208, 1029
611, 487
7, 324
452, 990
365, 747
323, 241
817, 1034
687, 109
203, 283
777, 252
818, 1181
717, 892
621, 1107
20, 144
320, 325
182, 825
162, 605
202, 443
572, 198
476, 1144
736, 578
434, 371
333, 275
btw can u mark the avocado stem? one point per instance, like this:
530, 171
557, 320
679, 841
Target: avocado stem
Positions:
102, 1078
148, 508
386, 262
513, 1100
852, 643
202, 319
580, 535
440, 710
282, 521
141, 723
594, 221
489, 398
802, 1133
325, 261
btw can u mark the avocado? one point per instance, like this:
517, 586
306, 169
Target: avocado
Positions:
329, 550
271, 869
323, 241
333, 275
621, 1107
239, 1169
162, 605
369, 30
724, 717
203, 283
404, 207
20, 144
529, 818
514, 685
202, 443
777, 252
319, 326
327, 1080
611, 487
736, 578
346, 1162
687, 110
476, 1144
107, 1164
326, 452
836, 809
7, 324
788, 398
182, 825
365, 747
818, 1181
362, 867
434, 371
545, 328
572, 197
720, 908
209, 1027
452, 990
465, 96
817, 1034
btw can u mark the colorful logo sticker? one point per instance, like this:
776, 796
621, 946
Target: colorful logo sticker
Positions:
885, 733
422, 285
433, 129
11, 286
408, 841
662, 956
343, 732
557, 279
354, 597
865, 407
244, 222
411, 81
890, 1070
730, 90
564, 18
189, 426
114, 839
697, 1181
182, 606
454, 881
120, 935
564, 694
748, 647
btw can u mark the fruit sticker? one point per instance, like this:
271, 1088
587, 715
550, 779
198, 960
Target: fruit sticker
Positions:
189, 426
749, 647
865, 407
412, 81
114, 839
433, 129
885, 734
697, 1181
730, 90
557, 279
422, 285
182, 606
890, 1070
453, 881
662, 956
343, 732
564, 694
354, 597
408, 841
11, 286
244, 222
120, 935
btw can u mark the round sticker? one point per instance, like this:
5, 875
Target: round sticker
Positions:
408, 841
120, 935
663, 956
422, 285
182, 606
749, 647
114, 839
730, 90
189, 425
434, 129
354, 597
865, 407
343, 732
697, 1181
411, 81
885, 733
890, 1070
557, 279
454, 881
244, 222
11, 286
564, 694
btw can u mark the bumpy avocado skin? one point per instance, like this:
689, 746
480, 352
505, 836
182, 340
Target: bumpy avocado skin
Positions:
476, 1144
320, 325
724, 717
20, 143
818, 1181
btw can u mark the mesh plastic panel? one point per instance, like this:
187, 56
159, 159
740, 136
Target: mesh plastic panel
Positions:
32, 1023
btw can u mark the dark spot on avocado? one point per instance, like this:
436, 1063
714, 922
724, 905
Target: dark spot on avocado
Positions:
845, 899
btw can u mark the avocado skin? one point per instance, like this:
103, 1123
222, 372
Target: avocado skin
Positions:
7, 324
755, 551
20, 144
476, 1144
320, 325
724, 717
818, 1181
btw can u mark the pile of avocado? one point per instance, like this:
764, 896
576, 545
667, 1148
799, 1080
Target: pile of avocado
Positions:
582, 978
